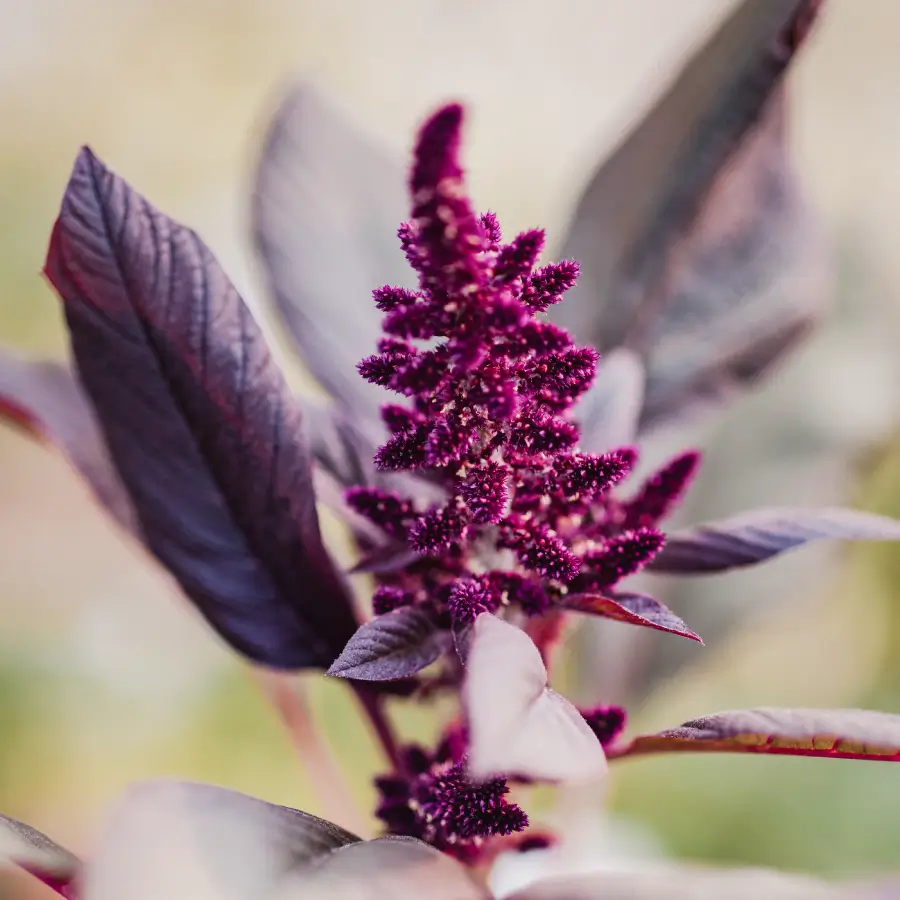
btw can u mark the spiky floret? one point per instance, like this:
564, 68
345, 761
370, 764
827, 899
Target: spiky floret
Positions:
662, 491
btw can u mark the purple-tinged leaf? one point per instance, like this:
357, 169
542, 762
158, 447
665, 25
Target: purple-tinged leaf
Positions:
326, 207
392, 868
761, 534
181, 839
610, 410
46, 399
634, 609
696, 245
31, 850
199, 422
516, 724
684, 882
395, 645
830, 733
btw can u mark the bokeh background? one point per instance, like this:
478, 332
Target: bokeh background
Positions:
106, 677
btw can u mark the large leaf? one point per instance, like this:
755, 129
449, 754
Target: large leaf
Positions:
667, 882
610, 411
696, 247
395, 645
47, 400
635, 609
29, 849
761, 534
181, 839
326, 207
199, 422
517, 725
389, 868
831, 733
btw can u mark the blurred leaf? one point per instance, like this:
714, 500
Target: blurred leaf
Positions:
830, 733
199, 421
29, 849
695, 245
395, 645
46, 399
388, 868
326, 208
634, 609
760, 534
610, 410
517, 725
684, 883
182, 839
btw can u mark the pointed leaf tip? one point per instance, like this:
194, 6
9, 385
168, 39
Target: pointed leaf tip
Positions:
199, 422
392, 646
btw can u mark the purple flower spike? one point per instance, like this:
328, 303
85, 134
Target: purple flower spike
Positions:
388, 598
607, 722
437, 529
624, 555
384, 509
662, 492
486, 492
470, 598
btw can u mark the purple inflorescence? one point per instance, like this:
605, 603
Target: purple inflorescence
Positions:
431, 799
485, 388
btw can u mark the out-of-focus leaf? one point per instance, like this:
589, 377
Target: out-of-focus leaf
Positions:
31, 850
199, 421
46, 399
389, 558
180, 839
635, 609
684, 883
696, 247
761, 534
517, 725
610, 411
395, 645
389, 868
326, 207
831, 733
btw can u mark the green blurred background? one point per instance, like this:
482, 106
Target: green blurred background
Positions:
106, 677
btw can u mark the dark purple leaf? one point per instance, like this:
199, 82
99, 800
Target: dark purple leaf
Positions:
395, 645
29, 849
326, 207
516, 724
697, 248
46, 399
389, 558
181, 839
609, 412
635, 609
761, 534
199, 422
684, 882
832, 733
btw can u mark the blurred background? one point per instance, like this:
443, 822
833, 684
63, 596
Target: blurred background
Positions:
106, 677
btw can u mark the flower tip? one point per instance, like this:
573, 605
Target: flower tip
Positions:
437, 147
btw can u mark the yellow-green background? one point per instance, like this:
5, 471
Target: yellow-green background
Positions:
106, 677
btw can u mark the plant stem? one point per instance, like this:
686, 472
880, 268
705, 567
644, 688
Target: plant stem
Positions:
373, 704
287, 696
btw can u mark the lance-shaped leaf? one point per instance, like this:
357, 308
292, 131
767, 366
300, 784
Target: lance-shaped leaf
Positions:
667, 882
610, 411
831, 733
696, 247
31, 850
46, 399
181, 839
395, 645
392, 868
199, 422
517, 725
326, 207
635, 609
761, 534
